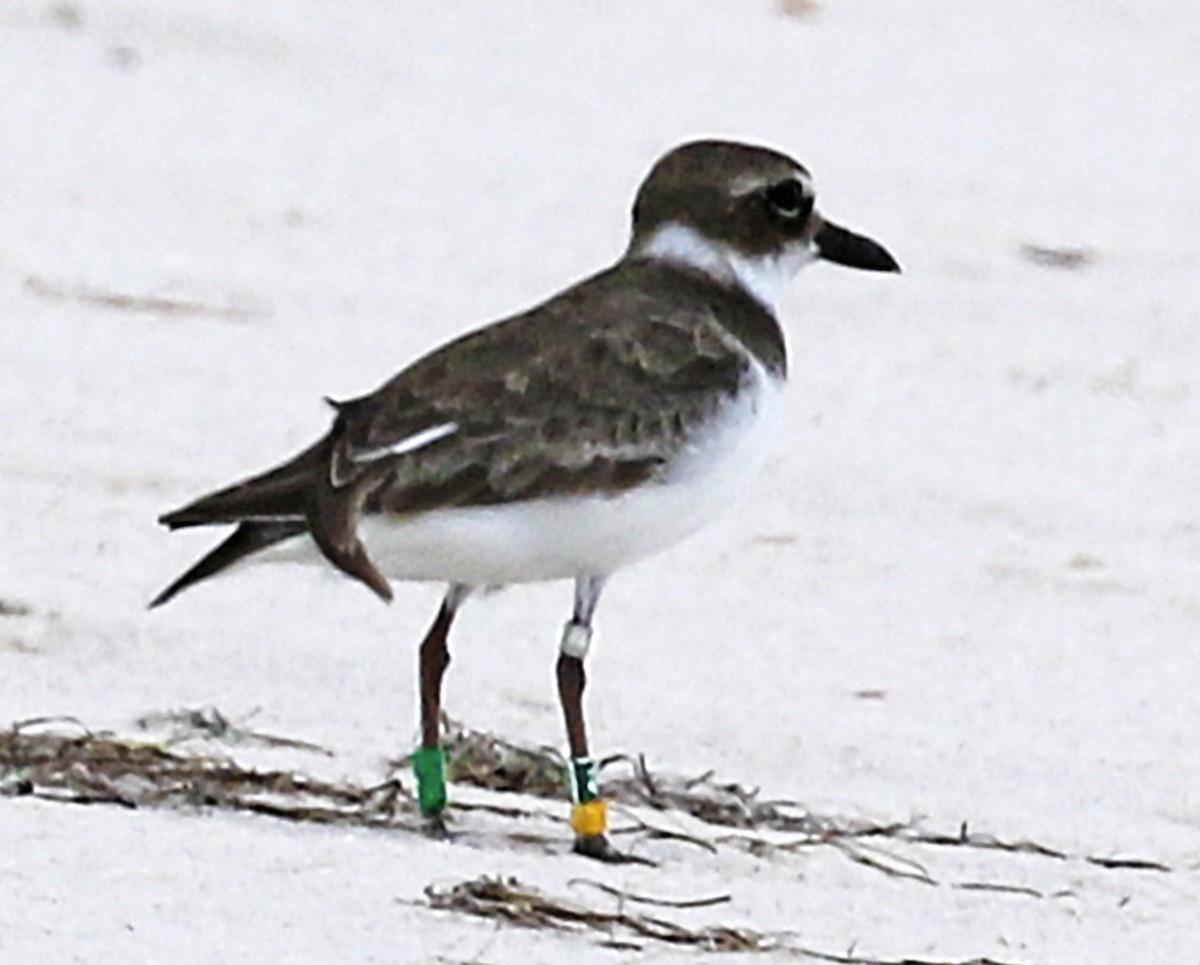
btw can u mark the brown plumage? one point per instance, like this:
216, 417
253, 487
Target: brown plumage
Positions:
547, 403
566, 442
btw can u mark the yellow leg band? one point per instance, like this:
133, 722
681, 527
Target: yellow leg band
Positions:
591, 819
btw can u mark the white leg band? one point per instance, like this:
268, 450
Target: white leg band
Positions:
576, 640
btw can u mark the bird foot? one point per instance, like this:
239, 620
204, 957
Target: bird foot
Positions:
599, 848
435, 827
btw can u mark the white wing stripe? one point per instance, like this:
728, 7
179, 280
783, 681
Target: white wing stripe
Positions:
408, 444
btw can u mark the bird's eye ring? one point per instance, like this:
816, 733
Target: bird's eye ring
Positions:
789, 200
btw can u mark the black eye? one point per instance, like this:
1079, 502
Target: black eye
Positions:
787, 199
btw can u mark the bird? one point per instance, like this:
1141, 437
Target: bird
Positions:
566, 442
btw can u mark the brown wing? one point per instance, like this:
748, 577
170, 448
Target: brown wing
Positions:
594, 390
547, 403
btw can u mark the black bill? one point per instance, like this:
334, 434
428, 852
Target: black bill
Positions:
844, 247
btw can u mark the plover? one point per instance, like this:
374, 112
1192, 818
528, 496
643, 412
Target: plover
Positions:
597, 428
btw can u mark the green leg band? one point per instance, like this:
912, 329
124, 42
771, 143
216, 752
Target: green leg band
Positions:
589, 813
581, 775
429, 764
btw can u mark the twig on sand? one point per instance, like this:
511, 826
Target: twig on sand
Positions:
210, 724
657, 833
890, 864
645, 900
507, 899
146, 304
969, 839
510, 901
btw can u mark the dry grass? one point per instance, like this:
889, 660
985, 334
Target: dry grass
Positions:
510, 901
84, 767
61, 760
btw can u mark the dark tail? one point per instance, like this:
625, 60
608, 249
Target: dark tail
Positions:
248, 538
267, 508
274, 496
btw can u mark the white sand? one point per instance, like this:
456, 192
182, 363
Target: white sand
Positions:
986, 509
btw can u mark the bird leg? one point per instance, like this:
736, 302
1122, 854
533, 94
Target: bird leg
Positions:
429, 760
589, 811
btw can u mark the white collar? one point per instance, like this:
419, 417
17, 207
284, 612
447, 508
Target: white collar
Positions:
763, 276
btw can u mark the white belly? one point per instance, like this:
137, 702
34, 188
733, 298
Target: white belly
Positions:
562, 538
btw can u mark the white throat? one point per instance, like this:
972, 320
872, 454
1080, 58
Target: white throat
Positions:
762, 276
